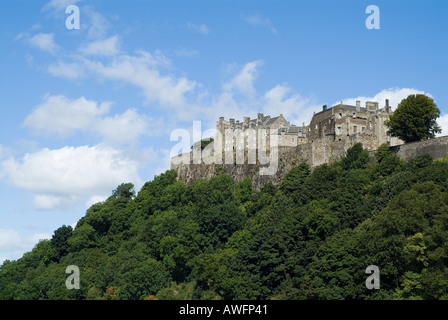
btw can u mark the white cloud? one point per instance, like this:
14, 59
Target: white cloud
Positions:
122, 128
259, 21
295, 108
13, 245
442, 121
201, 28
58, 5
243, 81
107, 47
44, 41
279, 100
61, 115
92, 200
71, 71
395, 95
61, 177
143, 71
97, 25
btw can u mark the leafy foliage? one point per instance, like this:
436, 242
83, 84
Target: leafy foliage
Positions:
415, 119
311, 237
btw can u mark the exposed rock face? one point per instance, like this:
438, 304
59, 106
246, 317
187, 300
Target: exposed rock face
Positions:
315, 154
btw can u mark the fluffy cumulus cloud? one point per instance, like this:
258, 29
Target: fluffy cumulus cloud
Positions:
243, 82
12, 244
294, 107
143, 71
59, 114
61, 177
395, 95
122, 128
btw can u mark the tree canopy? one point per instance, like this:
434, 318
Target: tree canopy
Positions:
415, 119
310, 237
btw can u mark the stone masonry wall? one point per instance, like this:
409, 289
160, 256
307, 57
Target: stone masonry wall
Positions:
316, 153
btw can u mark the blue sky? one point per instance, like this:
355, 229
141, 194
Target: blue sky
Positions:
85, 110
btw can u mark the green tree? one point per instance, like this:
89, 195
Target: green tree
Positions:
145, 280
203, 143
59, 241
293, 183
356, 158
388, 161
125, 190
415, 119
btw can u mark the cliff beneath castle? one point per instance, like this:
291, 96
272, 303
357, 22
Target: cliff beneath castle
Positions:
315, 153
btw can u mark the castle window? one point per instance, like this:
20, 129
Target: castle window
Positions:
354, 114
339, 130
355, 128
292, 140
363, 129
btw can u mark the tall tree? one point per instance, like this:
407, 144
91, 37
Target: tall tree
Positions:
415, 119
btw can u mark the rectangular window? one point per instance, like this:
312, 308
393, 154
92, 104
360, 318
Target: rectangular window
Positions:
363, 129
292, 140
339, 130
355, 129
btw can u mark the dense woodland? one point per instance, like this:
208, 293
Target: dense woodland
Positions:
311, 237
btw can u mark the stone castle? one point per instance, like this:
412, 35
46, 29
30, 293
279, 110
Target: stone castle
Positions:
339, 123
326, 139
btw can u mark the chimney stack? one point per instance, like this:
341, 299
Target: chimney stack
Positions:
324, 107
358, 105
259, 118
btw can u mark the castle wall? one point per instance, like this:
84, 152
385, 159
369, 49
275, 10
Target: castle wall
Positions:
437, 148
316, 153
